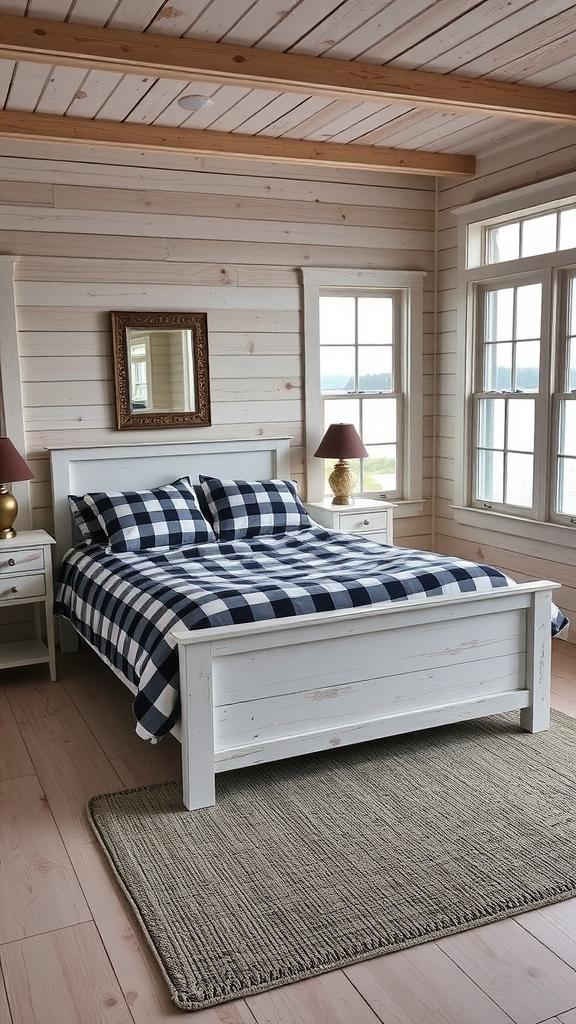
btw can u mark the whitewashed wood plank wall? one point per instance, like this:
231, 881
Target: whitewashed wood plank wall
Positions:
96, 230
506, 169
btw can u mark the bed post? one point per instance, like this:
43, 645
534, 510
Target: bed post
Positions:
197, 726
536, 717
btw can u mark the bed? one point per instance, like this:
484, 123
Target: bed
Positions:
257, 691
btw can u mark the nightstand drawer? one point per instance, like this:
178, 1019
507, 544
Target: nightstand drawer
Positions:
378, 538
19, 588
363, 522
24, 560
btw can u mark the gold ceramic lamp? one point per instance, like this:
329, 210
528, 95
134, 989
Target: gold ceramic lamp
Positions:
12, 469
342, 441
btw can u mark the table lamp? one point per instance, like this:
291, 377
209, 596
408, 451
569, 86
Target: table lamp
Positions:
12, 469
342, 441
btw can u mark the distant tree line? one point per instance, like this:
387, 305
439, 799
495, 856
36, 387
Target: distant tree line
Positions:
368, 382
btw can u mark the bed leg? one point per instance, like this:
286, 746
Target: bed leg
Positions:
536, 717
197, 725
68, 637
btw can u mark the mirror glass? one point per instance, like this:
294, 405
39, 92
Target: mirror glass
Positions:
161, 369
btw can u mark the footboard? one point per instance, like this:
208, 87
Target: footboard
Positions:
261, 692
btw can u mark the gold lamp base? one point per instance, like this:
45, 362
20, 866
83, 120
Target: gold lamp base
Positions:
8, 513
342, 482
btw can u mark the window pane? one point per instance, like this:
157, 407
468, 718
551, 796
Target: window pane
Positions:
527, 366
337, 368
571, 383
539, 235
375, 320
337, 319
378, 421
342, 410
499, 307
380, 468
521, 424
567, 229
519, 479
375, 368
528, 306
567, 487
572, 321
490, 485
567, 444
498, 367
503, 243
491, 422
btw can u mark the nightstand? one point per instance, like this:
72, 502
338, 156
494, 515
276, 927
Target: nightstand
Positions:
368, 517
26, 578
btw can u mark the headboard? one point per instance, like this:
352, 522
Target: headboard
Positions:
136, 466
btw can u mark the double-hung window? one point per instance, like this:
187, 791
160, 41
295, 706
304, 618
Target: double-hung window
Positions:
521, 305
363, 333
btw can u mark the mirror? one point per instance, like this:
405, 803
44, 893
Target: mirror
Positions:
161, 370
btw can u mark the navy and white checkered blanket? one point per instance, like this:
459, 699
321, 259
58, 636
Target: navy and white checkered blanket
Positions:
126, 605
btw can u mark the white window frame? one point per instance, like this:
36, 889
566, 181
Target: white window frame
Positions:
471, 220
411, 286
145, 360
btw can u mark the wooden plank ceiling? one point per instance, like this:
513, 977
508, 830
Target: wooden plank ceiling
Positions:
423, 86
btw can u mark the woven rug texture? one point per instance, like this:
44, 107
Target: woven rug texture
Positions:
314, 863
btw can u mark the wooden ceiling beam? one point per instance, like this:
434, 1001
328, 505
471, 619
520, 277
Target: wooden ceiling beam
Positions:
194, 60
17, 124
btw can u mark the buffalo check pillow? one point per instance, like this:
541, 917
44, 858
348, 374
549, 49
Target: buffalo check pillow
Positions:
86, 520
250, 508
165, 516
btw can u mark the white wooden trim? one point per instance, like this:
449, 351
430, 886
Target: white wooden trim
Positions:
519, 200
541, 533
11, 383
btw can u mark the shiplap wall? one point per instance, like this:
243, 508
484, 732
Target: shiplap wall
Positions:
507, 169
97, 230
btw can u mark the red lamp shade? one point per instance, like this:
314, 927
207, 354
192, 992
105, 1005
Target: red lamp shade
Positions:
341, 441
12, 465
12, 469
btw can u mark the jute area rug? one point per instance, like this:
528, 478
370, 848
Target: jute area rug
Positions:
311, 864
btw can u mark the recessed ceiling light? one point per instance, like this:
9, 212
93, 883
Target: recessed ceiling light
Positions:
193, 102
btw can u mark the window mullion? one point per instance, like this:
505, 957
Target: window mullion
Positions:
562, 395
544, 461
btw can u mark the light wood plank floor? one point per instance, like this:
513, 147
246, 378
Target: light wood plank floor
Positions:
71, 951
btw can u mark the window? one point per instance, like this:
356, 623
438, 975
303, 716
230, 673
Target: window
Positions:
359, 380
141, 396
521, 301
363, 366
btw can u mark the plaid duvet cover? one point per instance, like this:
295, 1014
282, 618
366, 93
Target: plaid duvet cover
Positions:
126, 605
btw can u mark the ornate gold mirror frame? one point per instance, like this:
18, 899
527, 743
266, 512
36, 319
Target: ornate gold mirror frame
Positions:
161, 370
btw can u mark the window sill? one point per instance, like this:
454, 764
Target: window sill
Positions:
549, 533
406, 509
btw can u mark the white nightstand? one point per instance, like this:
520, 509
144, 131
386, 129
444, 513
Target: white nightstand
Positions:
26, 578
368, 517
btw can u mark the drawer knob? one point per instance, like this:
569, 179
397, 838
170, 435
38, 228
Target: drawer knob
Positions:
14, 590
366, 522
11, 561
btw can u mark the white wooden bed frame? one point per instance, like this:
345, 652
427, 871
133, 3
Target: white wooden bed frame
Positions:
259, 692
